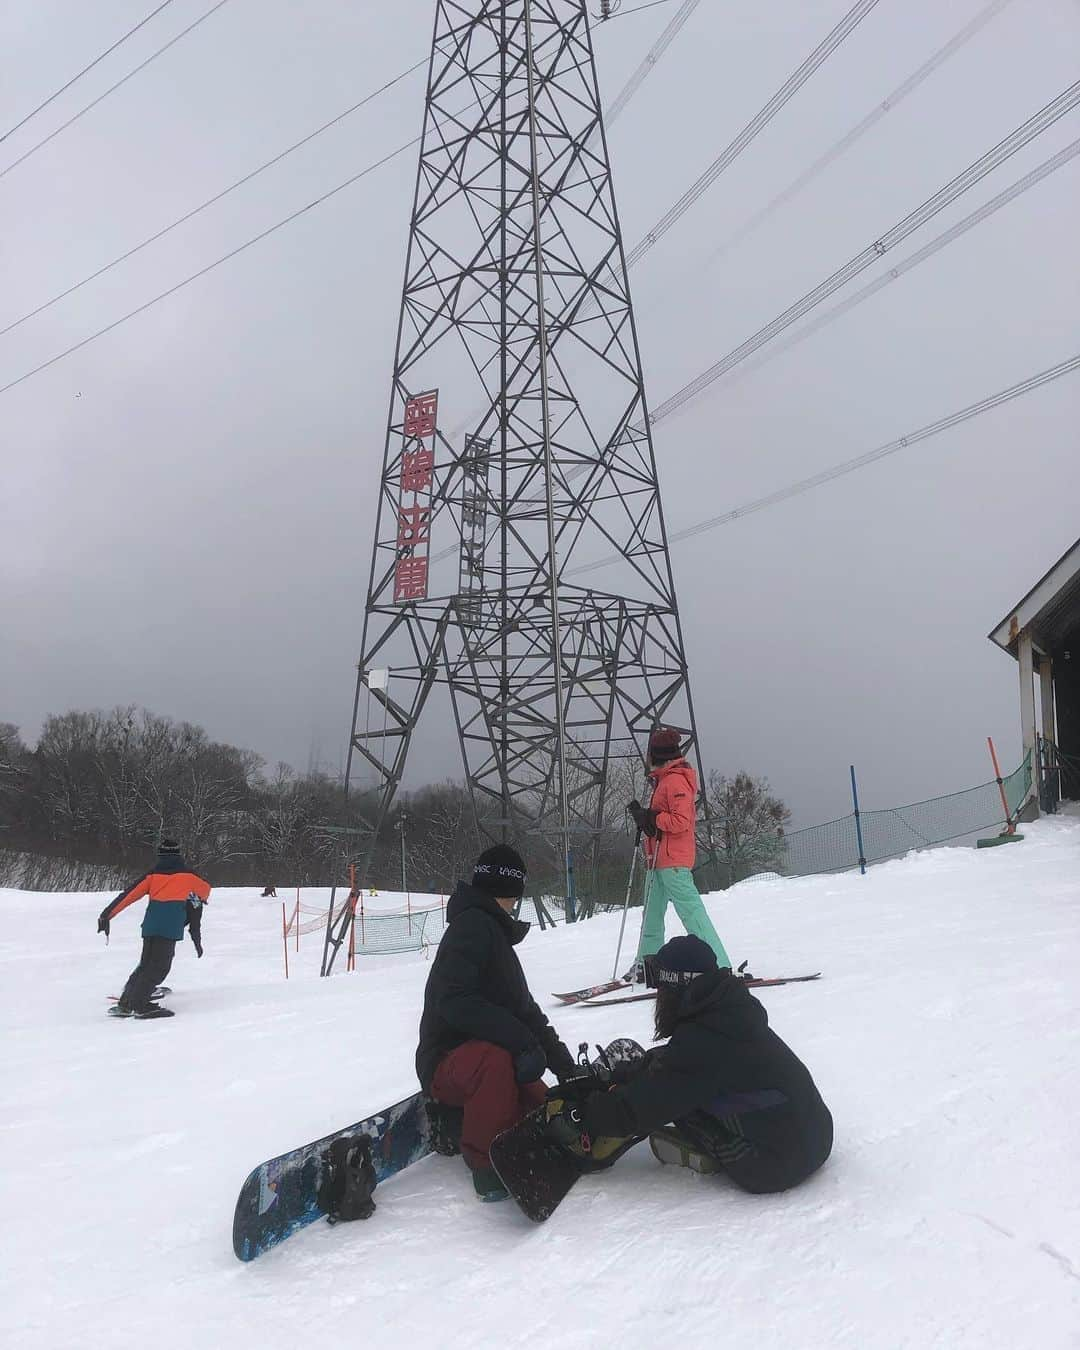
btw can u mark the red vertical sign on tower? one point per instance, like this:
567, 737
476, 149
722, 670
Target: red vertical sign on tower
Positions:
414, 497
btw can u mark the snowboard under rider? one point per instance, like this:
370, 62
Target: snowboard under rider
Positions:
725, 1094
668, 824
484, 1044
177, 895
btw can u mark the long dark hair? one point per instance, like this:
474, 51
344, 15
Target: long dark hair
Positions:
668, 1001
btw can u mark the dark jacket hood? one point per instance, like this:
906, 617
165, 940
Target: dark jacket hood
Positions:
718, 991
466, 896
167, 863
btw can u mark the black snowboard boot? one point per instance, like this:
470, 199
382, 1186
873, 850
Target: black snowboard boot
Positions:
151, 1011
444, 1123
120, 1010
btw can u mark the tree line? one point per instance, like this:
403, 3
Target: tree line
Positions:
85, 807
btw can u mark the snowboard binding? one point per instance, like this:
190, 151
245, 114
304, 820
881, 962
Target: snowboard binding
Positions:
444, 1123
348, 1180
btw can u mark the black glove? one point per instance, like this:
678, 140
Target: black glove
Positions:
194, 922
562, 1063
529, 1065
644, 819
575, 1087
103, 923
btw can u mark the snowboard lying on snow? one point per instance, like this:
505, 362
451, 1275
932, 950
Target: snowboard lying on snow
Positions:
287, 1193
539, 1172
333, 1178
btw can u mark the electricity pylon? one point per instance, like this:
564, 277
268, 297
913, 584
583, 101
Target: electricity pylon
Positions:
517, 447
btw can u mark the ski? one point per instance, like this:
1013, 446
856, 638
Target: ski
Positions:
593, 991
753, 982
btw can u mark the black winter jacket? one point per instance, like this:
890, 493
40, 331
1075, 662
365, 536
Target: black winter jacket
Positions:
724, 1061
476, 990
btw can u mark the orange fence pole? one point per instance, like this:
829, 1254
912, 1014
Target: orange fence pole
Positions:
1010, 828
285, 938
298, 918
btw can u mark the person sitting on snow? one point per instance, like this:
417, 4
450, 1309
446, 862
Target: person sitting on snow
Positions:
724, 1095
177, 896
484, 1043
668, 826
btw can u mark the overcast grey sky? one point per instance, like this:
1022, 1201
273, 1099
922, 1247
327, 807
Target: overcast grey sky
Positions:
188, 501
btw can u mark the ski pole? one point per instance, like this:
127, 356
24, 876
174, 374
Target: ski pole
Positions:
626, 902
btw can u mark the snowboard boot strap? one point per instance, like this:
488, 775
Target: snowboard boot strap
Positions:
566, 1128
348, 1180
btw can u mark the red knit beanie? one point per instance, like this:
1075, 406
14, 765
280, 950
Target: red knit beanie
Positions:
664, 745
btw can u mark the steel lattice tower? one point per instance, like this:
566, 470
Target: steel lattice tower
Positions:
517, 333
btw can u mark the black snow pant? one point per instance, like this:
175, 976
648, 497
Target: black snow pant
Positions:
154, 965
752, 1164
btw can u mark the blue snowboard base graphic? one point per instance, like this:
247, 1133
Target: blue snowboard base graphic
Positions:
280, 1196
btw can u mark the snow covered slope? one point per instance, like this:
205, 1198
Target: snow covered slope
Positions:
945, 1036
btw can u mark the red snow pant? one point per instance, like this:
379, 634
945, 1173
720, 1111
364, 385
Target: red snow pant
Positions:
480, 1077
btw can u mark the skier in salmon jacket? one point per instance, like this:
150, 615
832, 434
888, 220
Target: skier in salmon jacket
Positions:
668, 824
484, 1043
724, 1095
177, 895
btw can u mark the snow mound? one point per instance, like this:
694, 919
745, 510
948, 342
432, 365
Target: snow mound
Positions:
944, 1034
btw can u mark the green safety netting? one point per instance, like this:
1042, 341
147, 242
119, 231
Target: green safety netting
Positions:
834, 846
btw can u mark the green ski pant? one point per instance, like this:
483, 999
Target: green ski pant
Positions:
676, 885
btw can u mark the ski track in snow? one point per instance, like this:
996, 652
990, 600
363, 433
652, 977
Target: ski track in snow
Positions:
944, 1035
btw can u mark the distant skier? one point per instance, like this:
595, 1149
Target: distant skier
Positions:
176, 896
484, 1043
668, 826
269, 891
740, 1101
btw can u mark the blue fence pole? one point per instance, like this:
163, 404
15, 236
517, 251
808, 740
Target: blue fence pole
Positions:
858, 822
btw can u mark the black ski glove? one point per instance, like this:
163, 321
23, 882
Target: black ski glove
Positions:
529, 1065
194, 922
103, 923
575, 1087
644, 819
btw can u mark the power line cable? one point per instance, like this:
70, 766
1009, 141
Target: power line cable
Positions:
1036, 175
255, 239
648, 65
96, 61
845, 143
653, 4
1027, 386
944, 197
264, 234
210, 201
783, 95
113, 87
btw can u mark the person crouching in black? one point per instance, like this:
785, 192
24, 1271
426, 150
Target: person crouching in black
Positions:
725, 1093
484, 1043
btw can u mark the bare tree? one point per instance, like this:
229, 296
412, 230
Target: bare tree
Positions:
749, 824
